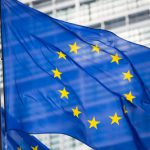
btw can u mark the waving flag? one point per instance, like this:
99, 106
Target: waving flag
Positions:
17, 140
74, 80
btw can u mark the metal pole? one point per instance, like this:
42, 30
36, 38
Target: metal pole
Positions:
0, 91
2, 59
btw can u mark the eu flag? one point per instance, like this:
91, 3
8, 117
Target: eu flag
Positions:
17, 140
64, 78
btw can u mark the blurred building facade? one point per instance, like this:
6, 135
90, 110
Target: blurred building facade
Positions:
129, 19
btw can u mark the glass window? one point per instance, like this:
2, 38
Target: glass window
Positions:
41, 3
144, 15
87, 1
96, 26
115, 23
60, 1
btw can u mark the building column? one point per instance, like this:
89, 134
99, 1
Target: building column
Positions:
77, 9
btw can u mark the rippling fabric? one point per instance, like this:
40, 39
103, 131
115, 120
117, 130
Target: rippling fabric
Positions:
17, 140
74, 80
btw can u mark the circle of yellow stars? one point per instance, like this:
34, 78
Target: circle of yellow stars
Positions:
93, 123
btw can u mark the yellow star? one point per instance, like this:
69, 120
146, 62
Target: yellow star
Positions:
129, 96
74, 48
115, 58
61, 55
19, 148
115, 119
93, 123
96, 48
35, 148
125, 110
57, 73
64, 93
76, 112
127, 75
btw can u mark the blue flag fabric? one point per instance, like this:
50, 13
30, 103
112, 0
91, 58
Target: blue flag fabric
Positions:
17, 140
69, 79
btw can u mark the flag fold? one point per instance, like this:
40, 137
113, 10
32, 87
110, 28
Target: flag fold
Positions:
64, 78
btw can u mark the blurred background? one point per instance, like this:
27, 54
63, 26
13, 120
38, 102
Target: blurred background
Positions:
130, 19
